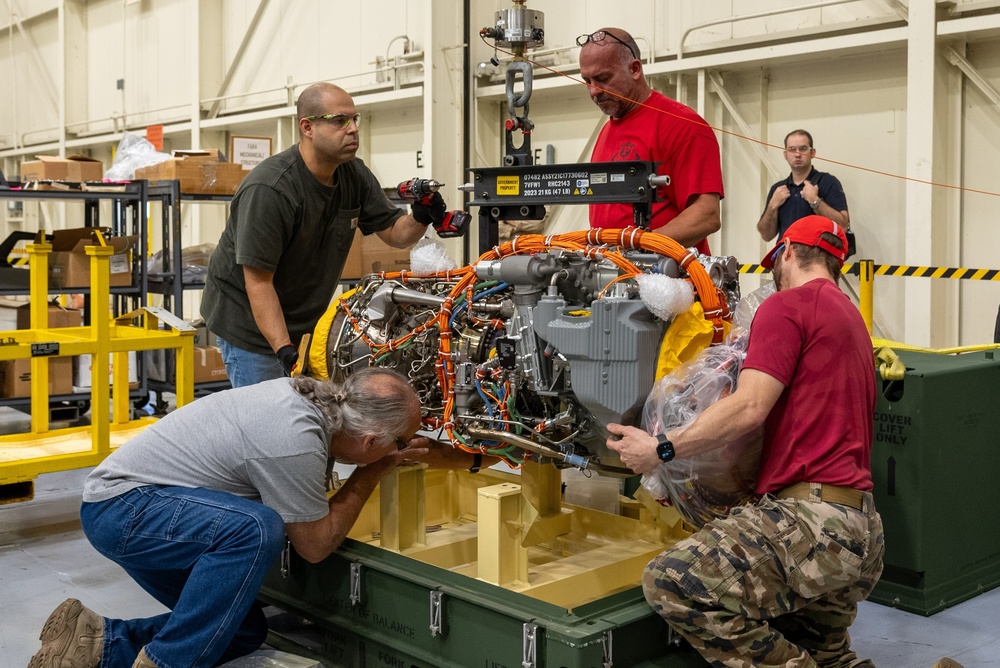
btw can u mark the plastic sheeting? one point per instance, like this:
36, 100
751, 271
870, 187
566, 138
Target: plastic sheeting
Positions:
706, 486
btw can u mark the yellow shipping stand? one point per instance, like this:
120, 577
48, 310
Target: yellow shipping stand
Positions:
24, 456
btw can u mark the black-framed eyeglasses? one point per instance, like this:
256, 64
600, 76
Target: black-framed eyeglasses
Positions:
799, 149
599, 37
401, 444
341, 121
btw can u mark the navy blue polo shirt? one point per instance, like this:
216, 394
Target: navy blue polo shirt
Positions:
795, 207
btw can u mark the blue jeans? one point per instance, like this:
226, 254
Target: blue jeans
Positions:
247, 368
201, 553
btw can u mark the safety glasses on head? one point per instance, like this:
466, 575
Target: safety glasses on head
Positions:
777, 252
599, 37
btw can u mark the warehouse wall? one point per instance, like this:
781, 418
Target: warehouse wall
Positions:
207, 70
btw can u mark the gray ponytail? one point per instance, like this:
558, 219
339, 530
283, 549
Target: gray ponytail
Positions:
373, 401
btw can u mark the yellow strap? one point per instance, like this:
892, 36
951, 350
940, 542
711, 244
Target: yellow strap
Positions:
886, 343
890, 367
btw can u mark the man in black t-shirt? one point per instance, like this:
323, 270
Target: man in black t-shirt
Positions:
290, 229
805, 192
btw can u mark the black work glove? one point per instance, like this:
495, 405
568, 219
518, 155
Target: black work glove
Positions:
288, 356
426, 214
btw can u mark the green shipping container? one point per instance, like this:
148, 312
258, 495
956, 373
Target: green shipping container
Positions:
397, 600
936, 468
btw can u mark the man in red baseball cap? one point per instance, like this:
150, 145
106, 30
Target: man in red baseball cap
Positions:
777, 583
815, 232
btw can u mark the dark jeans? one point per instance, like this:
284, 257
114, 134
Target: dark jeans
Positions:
201, 553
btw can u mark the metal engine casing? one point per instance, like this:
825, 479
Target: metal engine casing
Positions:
551, 349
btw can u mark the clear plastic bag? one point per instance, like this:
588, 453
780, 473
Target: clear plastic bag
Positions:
194, 261
706, 486
133, 152
429, 256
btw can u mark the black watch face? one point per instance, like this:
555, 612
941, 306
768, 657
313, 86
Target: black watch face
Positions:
665, 450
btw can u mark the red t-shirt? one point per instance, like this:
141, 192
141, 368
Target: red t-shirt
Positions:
813, 340
673, 135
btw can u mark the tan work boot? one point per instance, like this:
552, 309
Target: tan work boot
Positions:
947, 663
143, 661
73, 637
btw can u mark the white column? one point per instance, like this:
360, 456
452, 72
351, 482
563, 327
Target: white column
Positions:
444, 103
920, 77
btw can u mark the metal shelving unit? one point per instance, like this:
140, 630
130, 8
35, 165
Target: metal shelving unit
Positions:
170, 282
128, 210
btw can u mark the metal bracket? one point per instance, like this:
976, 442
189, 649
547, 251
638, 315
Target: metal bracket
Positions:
355, 583
162, 314
606, 646
529, 640
286, 558
436, 626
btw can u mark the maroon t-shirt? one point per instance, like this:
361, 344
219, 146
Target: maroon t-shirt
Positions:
813, 340
673, 135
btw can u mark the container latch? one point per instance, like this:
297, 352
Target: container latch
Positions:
436, 627
355, 583
529, 639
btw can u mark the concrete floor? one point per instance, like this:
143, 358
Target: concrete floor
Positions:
44, 558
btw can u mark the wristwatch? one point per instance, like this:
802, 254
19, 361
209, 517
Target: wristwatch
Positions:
664, 448
815, 205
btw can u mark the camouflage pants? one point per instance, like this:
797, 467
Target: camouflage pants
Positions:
772, 584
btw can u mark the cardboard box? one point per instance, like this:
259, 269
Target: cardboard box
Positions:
378, 256
54, 168
208, 365
69, 264
58, 316
15, 377
82, 372
352, 267
200, 172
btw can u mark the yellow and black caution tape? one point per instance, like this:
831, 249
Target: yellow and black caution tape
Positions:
904, 270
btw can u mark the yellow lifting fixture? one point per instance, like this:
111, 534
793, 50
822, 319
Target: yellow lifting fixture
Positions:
23, 456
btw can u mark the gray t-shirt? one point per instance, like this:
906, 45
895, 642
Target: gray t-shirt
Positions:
283, 220
264, 442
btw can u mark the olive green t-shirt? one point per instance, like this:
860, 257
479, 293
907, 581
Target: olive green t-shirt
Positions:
284, 221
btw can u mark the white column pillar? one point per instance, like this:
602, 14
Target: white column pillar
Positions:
444, 103
920, 113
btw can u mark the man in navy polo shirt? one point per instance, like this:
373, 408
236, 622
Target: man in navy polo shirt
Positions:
805, 192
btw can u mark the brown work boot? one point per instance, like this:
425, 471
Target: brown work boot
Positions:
143, 661
73, 637
947, 663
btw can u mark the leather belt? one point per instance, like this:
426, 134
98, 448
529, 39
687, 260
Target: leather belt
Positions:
809, 491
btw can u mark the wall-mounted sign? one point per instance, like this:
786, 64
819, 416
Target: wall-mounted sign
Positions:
249, 151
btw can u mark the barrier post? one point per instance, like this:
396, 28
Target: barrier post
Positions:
867, 277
